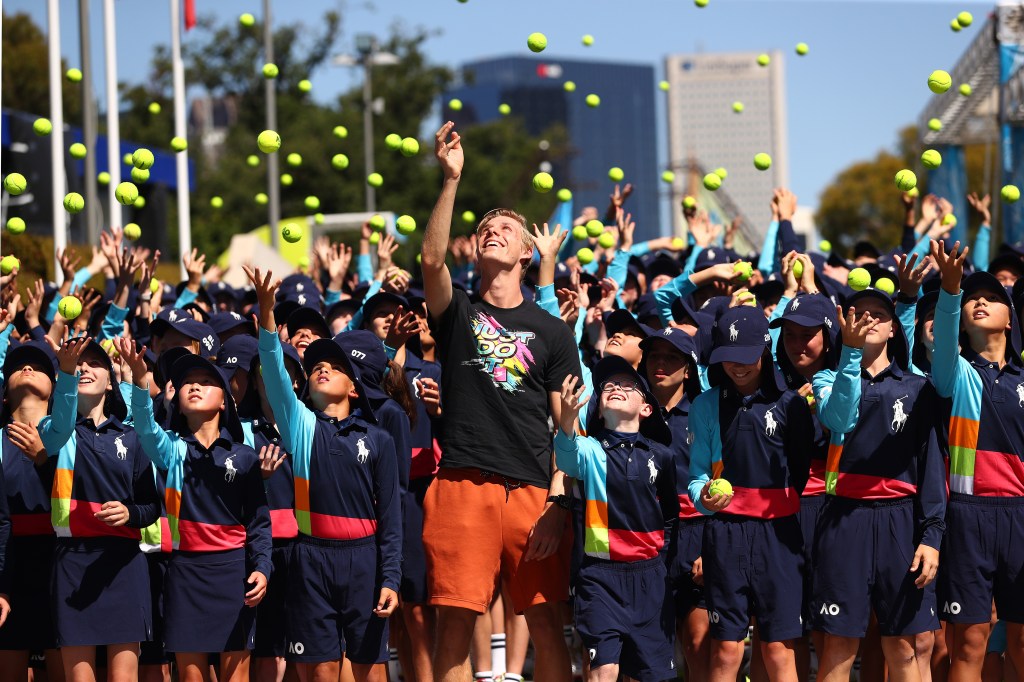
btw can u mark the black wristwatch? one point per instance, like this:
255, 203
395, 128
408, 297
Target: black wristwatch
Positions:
563, 501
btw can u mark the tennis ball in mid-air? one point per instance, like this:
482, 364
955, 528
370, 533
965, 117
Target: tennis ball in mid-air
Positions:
690, 202
965, 19
825, 246
743, 270
588, 40
906, 180
1010, 193
78, 150
377, 222
593, 100
455, 104
8, 263
42, 126
664, 86
132, 231
375, 238
143, 158
564, 194
74, 75
154, 108
73, 202
246, 19
606, 240
722, 173
737, 107
294, 159
931, 158
291, 232
700, 3
69, 307
594, 228
405, 224
615, 174
341, 132
543, 182
15, 184
859, 279
339, 161
763, 60
914, 193
939, 81
287, 179
375, 179
103, 177
934, 124
712, 181
179, 144
802, 49
468, 217
569, 86
720, 486
268, 141
252, 160
393, 141
762, 161
305, 85
126, 193
885, 284
536, 42
668, 176
585, 255
798, 268
410, 146
15, 225
311, 203
965, 89
504, 109
140, 202
140, 175
579, 233
955, 26
217, 202
261, 198
270, 70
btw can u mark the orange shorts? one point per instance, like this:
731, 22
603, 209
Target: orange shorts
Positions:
473, 536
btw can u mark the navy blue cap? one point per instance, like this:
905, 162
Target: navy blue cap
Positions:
866, 248
646, 307
237, 353
223, 289
190, 362
197, 309
32, 352
295, 284
225, 321
162, 371
379, 298
180, 287
209, 344
165, 319
339, 308
682, 342
652, 426
985, 281
898, 347
617, 320
809, 310
663, 265
329, 349
366, 353
740, 335
115, 404
307, 318
709, 257
1007, 261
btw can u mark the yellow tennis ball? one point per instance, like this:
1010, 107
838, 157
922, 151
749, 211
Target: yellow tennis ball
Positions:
949, 220
252, 160
268, 141
339, 161
536, 42
287, 179
678, 243
377, 222
103, 177
593, 101
664, 86
154, 285
1010, 193
78, 150
859, 279
569, 86
743, 270
179, 144
15, 184
763, 60
392, 140
132, 231
15, 225
291, 232
965, 19
468, 217
69, 307
140, 175
311, 203
934, 124
720, 486
455, 104
340, 132
270, 70
931, 158
738, 107
8, 264
246, 20
543, 182
126, 193
885, 284
74, 75
305, 85
73, 202
588, 40
802, 49
405, 224
140, 202
294, 159
375, 238
585, 255
965, 89
762, 161
798, 268
668, 176
564, 194
154, 108
690, 202
143, 158
375, 179
906, 180
217, 202
594, 228
261, 198
42, 126
410, 147
606, 240
579, 233
939, 81
615, 174
825, 246
504, 109
955, 26
712, 181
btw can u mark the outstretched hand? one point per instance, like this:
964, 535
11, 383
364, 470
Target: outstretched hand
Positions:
266, 289
449, 153
855, 330
572, 402
70, 352
134, 358
950, 266
547, 242
911, 277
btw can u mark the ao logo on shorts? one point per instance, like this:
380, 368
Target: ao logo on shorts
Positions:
296, 648
829, 610
951, 607
713, 616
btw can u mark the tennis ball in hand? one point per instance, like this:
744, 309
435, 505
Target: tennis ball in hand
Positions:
593, 100
132, 232
69, 307
825, 246
409, 147
405, 224
1010, 193
914, 193
42, 126
73, 202
606, 240
339, 161
543, 182
906, 180
179, 144
143, 158
762, 161
126, 193
468, 217
154, 285
743, 270
15, 184
712, 181
291, 232
377, 222
268, 141
564, 195
720, 486
690, 202
678, 243
798, 268
594, 228
859, 279
939, 81
931, 158
934, 124
585, 256
15, 225
375, 179
579, 233
885, 284
949, 220
536, 42
615, 174
8, 264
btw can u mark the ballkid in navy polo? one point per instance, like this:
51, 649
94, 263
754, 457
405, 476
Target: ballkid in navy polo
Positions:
877, 539
751, 431
623, 604
983, 550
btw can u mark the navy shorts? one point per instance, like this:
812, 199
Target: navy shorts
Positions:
100, 592
333, 587
810, 509
152, 652
687, 594
29, 567
862, 556
752, 568
982, 559
204, 603
414, 556
271, 640
624, 615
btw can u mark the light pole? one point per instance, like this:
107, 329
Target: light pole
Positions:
369, 56
273, 177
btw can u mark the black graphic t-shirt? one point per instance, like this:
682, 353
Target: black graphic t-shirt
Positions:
498, 367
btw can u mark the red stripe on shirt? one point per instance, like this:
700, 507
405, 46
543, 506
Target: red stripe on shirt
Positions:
687, 510
424, 461
283, 523
340, 527
998, 474
194, 536
629, 545
865, 487
816, 480
24, 525
764, 503
84, 524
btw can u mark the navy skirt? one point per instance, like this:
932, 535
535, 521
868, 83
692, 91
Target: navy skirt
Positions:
204, 603
100, 592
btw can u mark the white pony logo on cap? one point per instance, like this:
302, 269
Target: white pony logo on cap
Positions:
734, 333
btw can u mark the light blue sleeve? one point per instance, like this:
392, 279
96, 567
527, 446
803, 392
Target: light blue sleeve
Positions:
5, 345
113, 323
704, 432
641, 249
357, 317
618, 270
664, 297
295, 421
702, 372
56, 428
921, 248
691, 260
163, 448
766, 263
81, 277
780, 308
837, 394
591, 267
568, 456
364, 268
948, 367
247, 435
125, 387
187, 296
547, 300
982, 247
331, 297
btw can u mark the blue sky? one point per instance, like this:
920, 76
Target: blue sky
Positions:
864, 79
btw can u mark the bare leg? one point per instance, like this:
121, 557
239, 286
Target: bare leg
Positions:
835, 661
726, 659
779, 660
552, 655
901, 659
692, 633
967, 650
451, 651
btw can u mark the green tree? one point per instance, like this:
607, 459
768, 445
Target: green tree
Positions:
26, 79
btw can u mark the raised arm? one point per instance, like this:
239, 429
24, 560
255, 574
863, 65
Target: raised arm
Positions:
156, 443
946, 366
837, 394
437, 281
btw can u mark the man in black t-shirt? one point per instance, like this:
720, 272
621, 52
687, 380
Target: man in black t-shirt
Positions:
498, 506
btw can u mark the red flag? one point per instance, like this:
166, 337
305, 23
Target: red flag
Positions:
190, 14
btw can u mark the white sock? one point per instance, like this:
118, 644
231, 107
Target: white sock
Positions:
484, 676
498, 654
513, 677
394, 667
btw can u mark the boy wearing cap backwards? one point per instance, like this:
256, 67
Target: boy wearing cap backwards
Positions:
623, 607
984, 544
751, 431
877, 538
